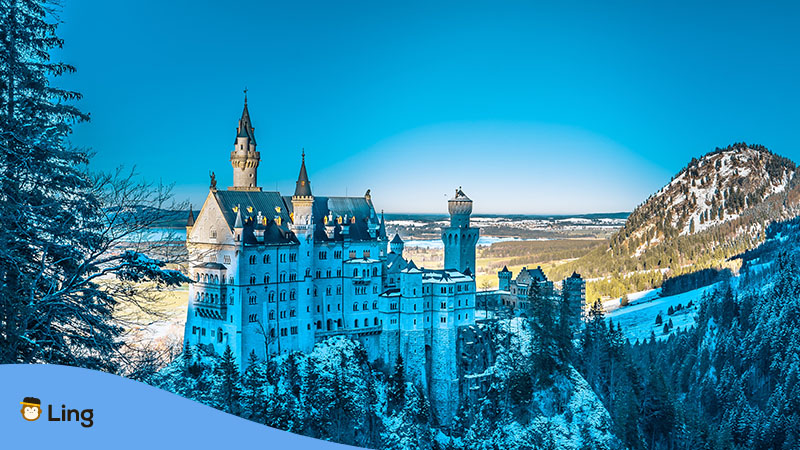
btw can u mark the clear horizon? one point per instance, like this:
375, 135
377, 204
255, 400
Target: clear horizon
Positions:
568, 109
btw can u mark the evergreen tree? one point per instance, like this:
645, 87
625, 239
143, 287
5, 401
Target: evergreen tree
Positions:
57, 231
396, 391
227, 386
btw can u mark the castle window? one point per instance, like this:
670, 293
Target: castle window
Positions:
466, 316
366, 254
213, 233
283, 258
355, 306
328, 273
392, 306
266, 278
292, 257
374, 305
319, 274
308, 272
450, 290
329, 308
308, 326
194, 330
317, 308
315, 291
252, 318
365, 306
375, 322
266, 259
338, 273
252, 300
203, 332
459, 303
374, 271
415, 306
444, 305
355, 324
252, 259
459, 317
375, 289
352, 254
282, 314
337, 254
323, 255
282, 277
227, 259
444, 290
392, 321
415, 321
230, 280
252, 279
272, 297
272, 332
319, 324
293, 295
339, 323
355, 273
292, 276
272, 315
283, 332
443, 319
293, 313
282, 296
328, 290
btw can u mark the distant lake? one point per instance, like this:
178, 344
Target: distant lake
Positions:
482, 241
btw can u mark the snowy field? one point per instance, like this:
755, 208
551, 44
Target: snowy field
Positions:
638, 319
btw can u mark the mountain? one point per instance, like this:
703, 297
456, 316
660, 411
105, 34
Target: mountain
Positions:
714, 208
717, 188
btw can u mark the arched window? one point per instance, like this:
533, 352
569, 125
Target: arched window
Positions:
272, 315
266, 279
375, 322
266, 259
272, 297
374, 271
375, 305
339, 323
365, 306
355, 273
283, 296
219, 334
292, 295
356, 324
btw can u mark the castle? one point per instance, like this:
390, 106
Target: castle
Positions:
276, 274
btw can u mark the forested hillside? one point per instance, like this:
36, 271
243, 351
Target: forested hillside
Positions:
716, 207
729, 382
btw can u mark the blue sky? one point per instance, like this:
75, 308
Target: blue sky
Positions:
565, 107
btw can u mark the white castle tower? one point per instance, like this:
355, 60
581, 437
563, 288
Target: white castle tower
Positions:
244, 157
459, 238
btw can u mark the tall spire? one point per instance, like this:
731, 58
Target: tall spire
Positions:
382, 228
190, 220
303, 188
245, 128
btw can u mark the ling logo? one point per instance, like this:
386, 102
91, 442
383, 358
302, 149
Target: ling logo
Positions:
32, 409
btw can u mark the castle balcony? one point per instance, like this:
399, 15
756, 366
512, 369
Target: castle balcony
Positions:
348, 332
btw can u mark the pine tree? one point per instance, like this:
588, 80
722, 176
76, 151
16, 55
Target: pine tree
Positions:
58, 227
227, 386
396, 392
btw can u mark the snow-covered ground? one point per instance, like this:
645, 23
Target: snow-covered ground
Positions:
638, 319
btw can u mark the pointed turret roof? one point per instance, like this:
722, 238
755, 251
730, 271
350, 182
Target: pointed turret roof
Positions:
303, 188
505, 269
245, 128
190, 220
382, 228
396, 239
238, 223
